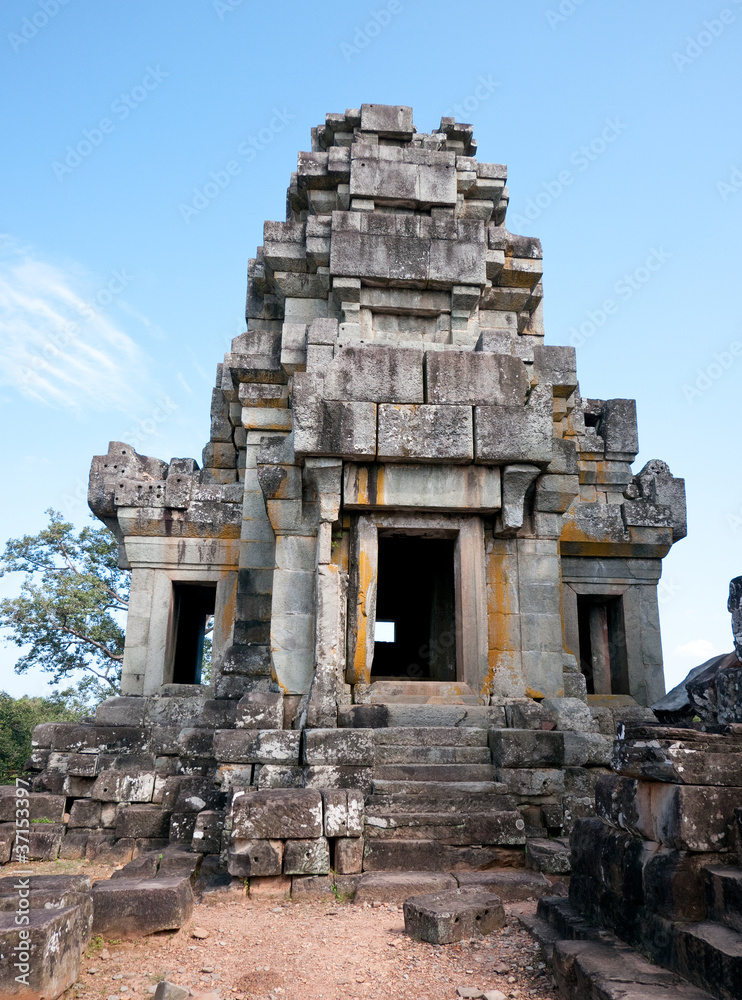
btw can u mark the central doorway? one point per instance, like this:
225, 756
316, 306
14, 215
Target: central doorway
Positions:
415, 636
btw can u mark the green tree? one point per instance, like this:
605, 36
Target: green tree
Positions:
19, 716
68, 615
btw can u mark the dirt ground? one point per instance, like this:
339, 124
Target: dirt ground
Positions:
261, 948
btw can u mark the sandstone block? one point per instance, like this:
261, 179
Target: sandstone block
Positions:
267, 746
46, 951
306, 857
279, 776
569, 714
453, 915
259, 710
526, 748
344, 812
338, 746
415, 432
277, 814
142, 821
375, 374
515, 433
332, 776
551, 856
474, 377
40, 806
249, 858
137, 907
348, 855
120, 786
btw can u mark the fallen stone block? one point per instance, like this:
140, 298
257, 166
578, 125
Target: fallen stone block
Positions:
130, 908
145, 866
277, 814
171, 991
44, 891
306, 857
41, 959
453, 915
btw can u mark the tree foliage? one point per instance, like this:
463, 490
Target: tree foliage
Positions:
69, 614
19, 716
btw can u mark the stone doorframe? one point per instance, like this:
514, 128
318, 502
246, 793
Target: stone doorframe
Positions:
470, 587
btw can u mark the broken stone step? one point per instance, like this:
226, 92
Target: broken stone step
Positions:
440, 800
453, 915
607, 969
433, 755
434, 772
724, 895
469, 828
395, 887
710, 955
510, 884
430, 736
384, 786
420, 716
426, 855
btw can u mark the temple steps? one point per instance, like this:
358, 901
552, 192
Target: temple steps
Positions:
429, 736
432, 755
434, 772
392, 714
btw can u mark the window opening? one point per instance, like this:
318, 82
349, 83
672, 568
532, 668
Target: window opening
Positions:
602, 638
194, 610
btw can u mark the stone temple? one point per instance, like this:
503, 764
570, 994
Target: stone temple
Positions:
432, 576
392, 442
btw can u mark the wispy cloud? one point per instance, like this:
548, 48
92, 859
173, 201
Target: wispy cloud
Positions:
697, 649
58, 345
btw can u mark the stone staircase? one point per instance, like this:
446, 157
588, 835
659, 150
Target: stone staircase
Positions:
445, 811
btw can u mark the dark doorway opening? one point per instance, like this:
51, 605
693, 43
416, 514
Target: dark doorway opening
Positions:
193, 608
415, 608
603, 644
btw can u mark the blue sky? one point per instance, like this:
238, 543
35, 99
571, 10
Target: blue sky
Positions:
145, 144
